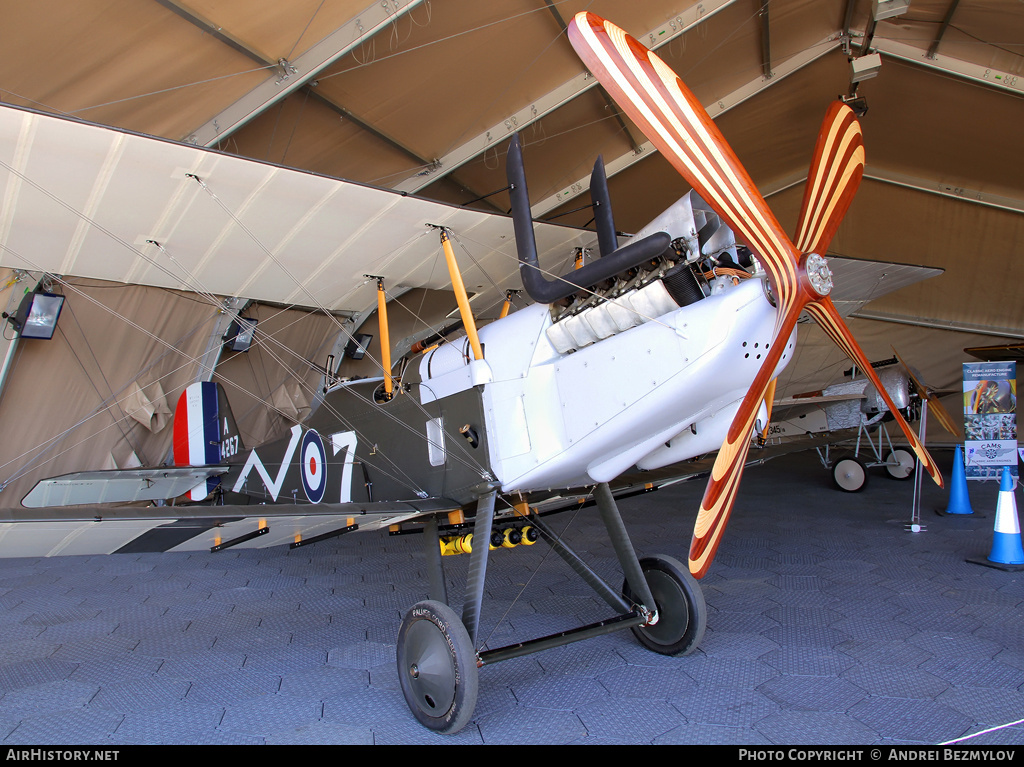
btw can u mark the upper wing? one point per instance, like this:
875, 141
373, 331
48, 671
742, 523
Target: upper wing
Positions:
92, 201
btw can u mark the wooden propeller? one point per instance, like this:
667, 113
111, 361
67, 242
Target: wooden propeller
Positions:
934, 406
654, 97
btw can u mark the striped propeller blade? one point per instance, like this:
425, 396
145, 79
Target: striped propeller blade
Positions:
720, 495
654, 97
835, 174
827, 316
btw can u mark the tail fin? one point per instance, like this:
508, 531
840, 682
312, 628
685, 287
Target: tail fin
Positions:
205, 432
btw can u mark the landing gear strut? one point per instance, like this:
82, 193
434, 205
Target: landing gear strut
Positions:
437, 655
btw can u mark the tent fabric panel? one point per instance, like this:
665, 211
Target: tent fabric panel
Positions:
278, 30
122, 63
64, 404
287, 341
414, 90
304, 131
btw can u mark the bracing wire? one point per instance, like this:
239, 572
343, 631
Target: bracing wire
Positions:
193, 284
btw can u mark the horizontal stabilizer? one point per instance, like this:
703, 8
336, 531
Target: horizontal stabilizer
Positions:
118, 486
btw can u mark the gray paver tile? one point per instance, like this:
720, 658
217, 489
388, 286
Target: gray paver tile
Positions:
918, 721
806, 610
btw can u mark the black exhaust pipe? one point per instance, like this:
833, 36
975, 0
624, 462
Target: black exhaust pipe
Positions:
545, 291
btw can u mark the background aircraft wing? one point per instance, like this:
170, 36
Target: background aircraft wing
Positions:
856, 282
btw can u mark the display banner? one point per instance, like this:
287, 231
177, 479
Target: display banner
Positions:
990, 419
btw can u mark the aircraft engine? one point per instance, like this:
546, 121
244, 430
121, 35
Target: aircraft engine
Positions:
703, 258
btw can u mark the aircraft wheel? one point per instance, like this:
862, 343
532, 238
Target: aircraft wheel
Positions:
682, 613
900, 464
437, 667
849, 474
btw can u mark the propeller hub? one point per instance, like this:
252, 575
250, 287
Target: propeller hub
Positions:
818, 274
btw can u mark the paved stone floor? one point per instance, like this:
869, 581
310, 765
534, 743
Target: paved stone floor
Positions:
828, 623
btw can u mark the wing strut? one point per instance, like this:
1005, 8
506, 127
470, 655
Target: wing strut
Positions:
460, 295
385, 339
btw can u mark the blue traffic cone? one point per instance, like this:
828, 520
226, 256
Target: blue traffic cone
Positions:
959, 501
1006, 545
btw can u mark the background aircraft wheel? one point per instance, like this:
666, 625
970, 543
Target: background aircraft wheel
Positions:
849, 474
900, 464
437, 667
682, 613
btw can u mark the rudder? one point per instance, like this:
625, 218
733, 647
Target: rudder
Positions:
205, 432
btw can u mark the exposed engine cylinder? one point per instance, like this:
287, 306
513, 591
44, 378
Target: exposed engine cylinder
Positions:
682, 285
675, 279
612, 316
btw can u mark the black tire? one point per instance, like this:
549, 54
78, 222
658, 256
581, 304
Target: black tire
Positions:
849, 474
900, 464
437, 667
682, 612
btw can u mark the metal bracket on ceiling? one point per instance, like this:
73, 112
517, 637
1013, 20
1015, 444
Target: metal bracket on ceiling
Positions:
285, 69
846, 42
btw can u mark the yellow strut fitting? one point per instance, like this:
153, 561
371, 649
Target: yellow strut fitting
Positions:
505, 307
769, 400
456, 517
385, 340
460, 295
522, 508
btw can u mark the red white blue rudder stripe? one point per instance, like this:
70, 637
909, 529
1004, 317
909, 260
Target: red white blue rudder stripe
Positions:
197, 433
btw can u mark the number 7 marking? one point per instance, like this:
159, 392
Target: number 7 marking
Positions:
345, 440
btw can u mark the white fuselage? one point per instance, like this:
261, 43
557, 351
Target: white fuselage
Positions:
658, 393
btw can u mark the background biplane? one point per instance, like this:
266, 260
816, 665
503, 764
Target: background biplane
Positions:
854, 405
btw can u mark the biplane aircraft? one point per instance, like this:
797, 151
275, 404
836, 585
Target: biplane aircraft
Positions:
855, 405
674, 336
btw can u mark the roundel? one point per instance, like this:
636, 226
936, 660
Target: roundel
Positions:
314, 466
